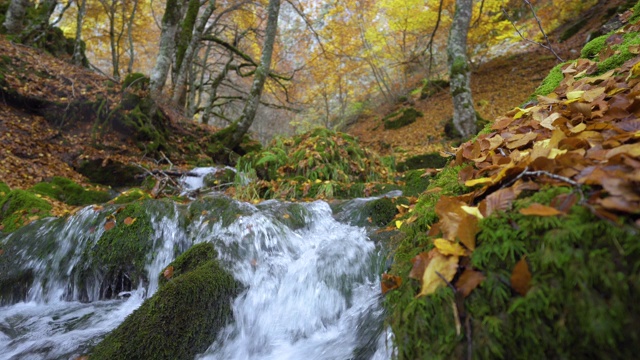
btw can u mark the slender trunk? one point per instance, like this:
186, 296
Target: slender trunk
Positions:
13, 21
179, 88
196, 103
78, 56
213, 95
464, 114
262, 71
160, 71
130, 37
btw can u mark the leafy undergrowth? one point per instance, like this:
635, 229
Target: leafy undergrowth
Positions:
526, 246
320, 164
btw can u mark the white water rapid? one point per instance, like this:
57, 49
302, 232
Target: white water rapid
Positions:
311, 285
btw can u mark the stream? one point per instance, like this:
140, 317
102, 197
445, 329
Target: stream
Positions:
311, 286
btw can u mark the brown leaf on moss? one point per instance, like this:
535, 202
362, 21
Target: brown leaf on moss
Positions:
419, 262
439, 268
521, 277
540, 210
168, 272
469, 280
389, 282
109, 225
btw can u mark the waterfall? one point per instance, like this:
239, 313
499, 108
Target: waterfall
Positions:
311, 286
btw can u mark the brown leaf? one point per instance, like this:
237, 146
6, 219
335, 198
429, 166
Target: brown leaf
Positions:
455, 223
540, 210
419, 262
168, 272
469, 280
521, 277
109, 225
389, 282
129, 221
497, 201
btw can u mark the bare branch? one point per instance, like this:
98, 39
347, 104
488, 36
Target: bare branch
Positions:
547, 46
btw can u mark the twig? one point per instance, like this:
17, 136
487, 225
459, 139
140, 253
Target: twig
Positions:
548, 46
447, 282
551, 175
166, 158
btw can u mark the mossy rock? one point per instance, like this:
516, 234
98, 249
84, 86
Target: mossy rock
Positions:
69, 192
451, 133
402, 118
378, 212
20, 207
550, 82
131, 195
425, 161
222, 177
432, 87
135, 81
109, 172
119, 257
217, 209
182, 318
580, 305
415, 183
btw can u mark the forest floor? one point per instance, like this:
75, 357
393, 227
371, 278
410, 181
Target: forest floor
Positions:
33, 150
498, 85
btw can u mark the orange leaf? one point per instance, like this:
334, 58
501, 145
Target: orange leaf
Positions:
469, 280
168, 272
129, 221
540, 210
390, 282
109, 225
521, 277
499, 200
419, 262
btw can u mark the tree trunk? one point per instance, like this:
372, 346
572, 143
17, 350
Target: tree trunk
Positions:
78, 55
464, 114
132, 52
179, 88
14, 19
241, 126
160, 71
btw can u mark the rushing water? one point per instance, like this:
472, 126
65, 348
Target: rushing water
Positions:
311, 286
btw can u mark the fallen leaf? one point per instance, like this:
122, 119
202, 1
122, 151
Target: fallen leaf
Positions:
168, 272
521, 277
419, 262
469, 280
129, 221
398, 224
389, 282
540, 210
439, 265
447, 247
109, 225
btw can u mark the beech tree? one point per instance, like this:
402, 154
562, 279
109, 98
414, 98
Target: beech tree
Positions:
170, 22
464, 113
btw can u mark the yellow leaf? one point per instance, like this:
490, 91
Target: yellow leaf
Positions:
318, 181
579, 128
446, 266
472, 210
576, 94
447, 247
398, 223
474, 182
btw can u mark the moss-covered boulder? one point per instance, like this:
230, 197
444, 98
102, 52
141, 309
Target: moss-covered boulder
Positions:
415, 182
69, 192
20, 207
109, 172
119, 257
401, 118
580, 304
423, 161
182, 318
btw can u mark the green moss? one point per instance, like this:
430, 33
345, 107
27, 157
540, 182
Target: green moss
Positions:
131, 195
432, 87
69, 192
20, 207
551, 82
402, 118
424, 161
622, 53
136, 81
636, 13
580, 305
121, 252
415, 183
188, 261
4, 190
182, 318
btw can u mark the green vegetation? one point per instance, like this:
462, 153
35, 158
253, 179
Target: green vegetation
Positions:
432, 87
318, 164
20, 207
550, 82
69, 192
423, 161
584, 281
401, 118
131, 195
415, 183
182, 318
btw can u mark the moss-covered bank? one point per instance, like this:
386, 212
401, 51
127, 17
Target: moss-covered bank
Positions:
182, 318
